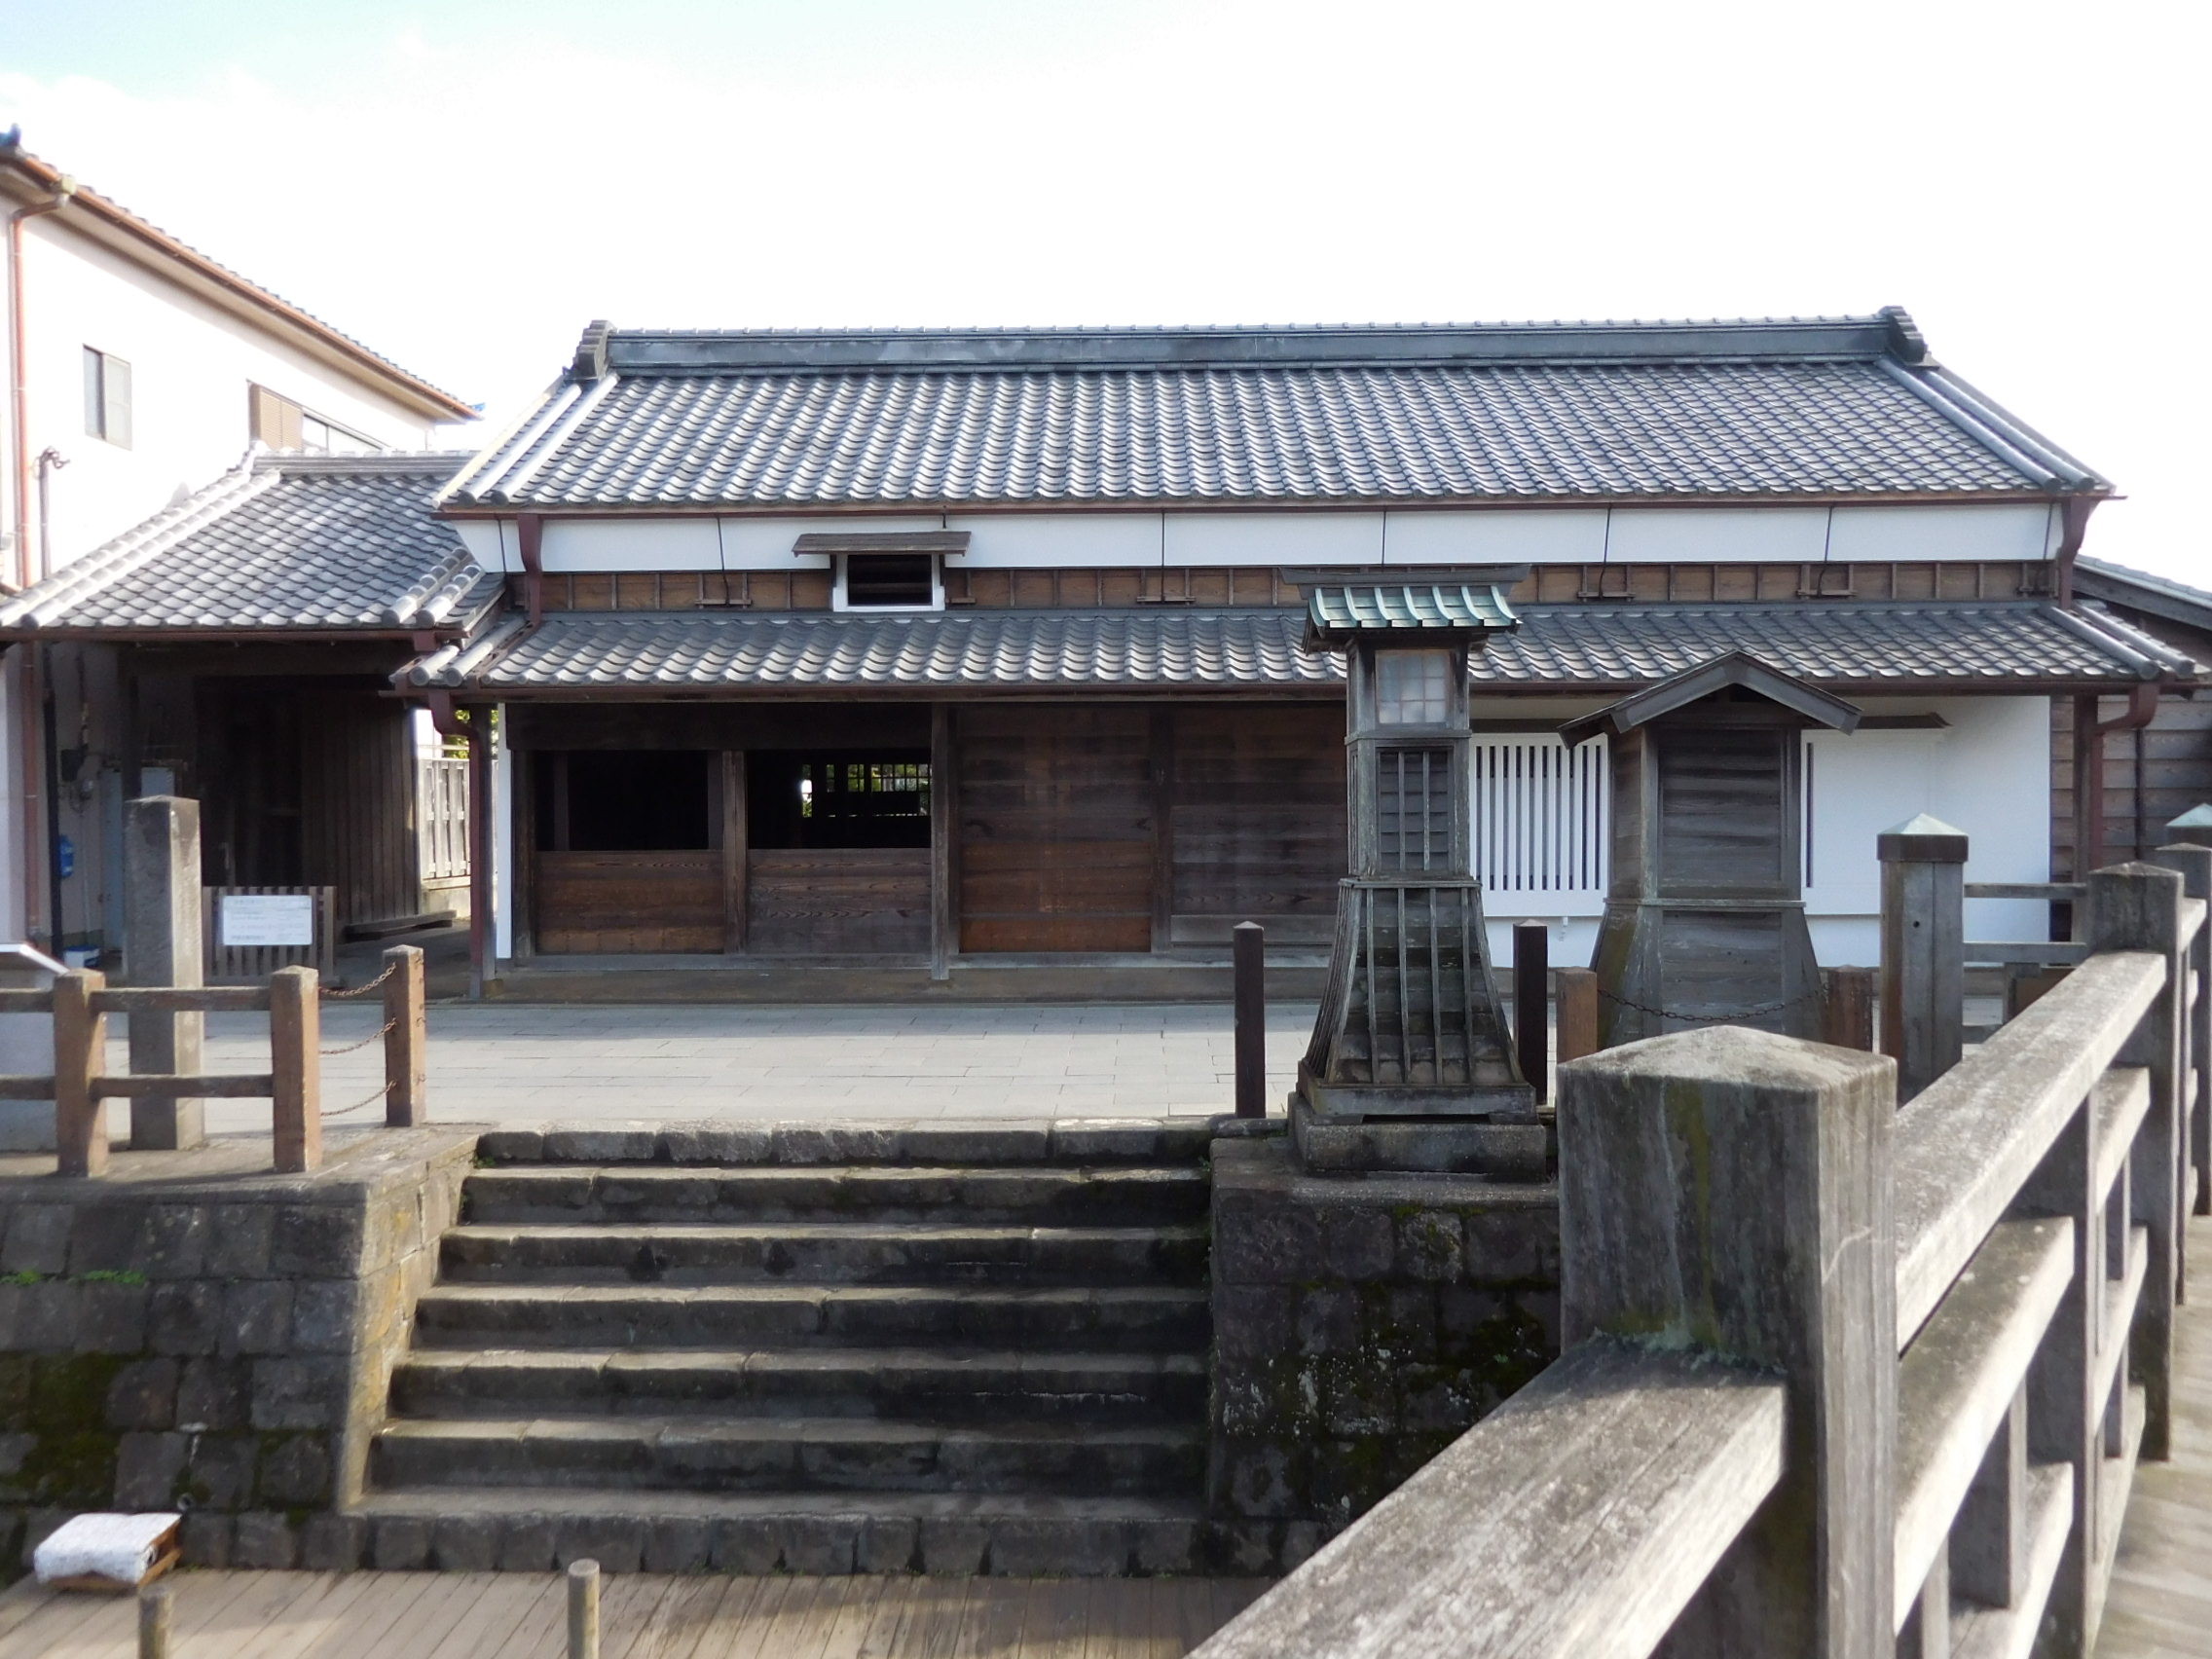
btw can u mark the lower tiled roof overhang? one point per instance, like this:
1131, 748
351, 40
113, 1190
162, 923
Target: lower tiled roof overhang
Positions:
2009, 648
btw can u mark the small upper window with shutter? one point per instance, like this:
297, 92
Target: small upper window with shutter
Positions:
107, 397
283, 425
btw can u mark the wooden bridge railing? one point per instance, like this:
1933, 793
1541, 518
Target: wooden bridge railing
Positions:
81, 1084
1841, 1380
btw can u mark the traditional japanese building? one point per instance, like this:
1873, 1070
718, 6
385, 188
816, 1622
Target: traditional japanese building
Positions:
978, 663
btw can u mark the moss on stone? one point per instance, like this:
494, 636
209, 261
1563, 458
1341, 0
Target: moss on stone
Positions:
68, 1392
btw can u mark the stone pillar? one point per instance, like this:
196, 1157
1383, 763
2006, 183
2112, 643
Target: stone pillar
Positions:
1730, 1190
164, 947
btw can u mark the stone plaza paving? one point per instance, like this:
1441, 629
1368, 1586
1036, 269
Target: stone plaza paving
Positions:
511, 1062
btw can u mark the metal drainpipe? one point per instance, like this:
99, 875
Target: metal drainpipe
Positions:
32, 695
2090, 768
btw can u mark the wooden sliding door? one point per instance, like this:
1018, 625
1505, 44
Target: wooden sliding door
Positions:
1058, 831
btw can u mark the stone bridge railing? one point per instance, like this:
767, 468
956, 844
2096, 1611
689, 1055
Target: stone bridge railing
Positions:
1839, 1381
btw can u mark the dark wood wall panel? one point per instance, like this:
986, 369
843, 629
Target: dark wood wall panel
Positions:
1056, 829
1258, 820
2152, 777
614, 903
867, 900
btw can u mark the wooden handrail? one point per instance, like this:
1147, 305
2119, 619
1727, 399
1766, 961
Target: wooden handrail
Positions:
1575, 1522
1964, 1148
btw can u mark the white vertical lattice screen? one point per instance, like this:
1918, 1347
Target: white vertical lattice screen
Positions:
1540, 820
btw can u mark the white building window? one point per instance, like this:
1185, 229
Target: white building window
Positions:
1412, 687
107, 397
888, 582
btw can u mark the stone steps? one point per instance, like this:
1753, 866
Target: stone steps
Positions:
769, 1453
537, 1528
1140, 1317
870, 1252
945, 1347
941, 1383
979, 1194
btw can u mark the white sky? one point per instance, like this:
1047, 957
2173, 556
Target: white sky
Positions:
463, 185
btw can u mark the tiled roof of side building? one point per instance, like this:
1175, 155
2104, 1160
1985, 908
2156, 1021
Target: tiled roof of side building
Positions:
1849, 408
1985, 647
289, 543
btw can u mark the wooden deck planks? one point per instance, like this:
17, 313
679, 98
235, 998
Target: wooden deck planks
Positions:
513, 1615
2160, 1603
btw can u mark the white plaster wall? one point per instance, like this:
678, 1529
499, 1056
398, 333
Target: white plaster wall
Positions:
191, 362
1703, 536
1504, 535
1312, 536
2019, 530
1309, 537
1060, 540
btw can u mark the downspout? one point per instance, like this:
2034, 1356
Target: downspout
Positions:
2074, 525
2090, 734
529, 536
32, 697
449, 721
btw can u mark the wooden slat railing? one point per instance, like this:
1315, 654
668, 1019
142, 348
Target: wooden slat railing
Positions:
1965, 1308
79, 1003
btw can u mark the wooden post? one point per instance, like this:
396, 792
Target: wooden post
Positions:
2137, 907
1923, 949
2195, 838
154, 1618
164, 944
407, 1044
1730, 1189
945, 844
1249, 967
80, 1055
1577, 993
295, 1061
1532, 1004
1848, 1020
737, 855
583, 1609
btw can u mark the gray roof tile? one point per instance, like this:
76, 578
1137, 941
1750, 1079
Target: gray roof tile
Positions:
1989, 647
293, 543
1594, 412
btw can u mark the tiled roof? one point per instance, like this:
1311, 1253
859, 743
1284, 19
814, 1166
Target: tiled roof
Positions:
1852, 407
291, 542
972, 649
1334, 611
1871, 647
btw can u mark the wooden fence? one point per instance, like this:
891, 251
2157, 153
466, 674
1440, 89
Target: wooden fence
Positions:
80, 1085
1841, 1381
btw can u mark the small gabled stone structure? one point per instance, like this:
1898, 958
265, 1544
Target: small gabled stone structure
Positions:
1705, 919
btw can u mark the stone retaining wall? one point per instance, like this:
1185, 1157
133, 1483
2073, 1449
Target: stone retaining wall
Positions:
192, 1332
1361, 1324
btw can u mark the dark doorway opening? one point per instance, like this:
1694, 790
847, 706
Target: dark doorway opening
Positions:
648, 800
850, 798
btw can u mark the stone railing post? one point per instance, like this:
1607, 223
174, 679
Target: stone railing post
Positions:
1730, 1189
2192, 857
80, 1057
2137, 907
406, 1041
163, 945
1924, 983
295, 1062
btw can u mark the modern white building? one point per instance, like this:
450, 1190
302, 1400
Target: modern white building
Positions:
138, 369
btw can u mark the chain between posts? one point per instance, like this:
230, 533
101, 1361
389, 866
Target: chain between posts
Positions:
382, 1030
329, 995
383, 1090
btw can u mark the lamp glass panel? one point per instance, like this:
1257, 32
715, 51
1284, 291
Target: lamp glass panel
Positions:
1412, 687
